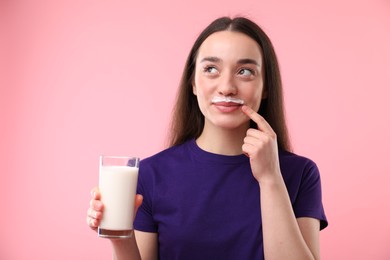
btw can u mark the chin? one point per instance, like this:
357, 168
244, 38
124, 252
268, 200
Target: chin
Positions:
231, 124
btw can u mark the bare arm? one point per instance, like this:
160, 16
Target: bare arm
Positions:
284, 236
147, 244
125, 249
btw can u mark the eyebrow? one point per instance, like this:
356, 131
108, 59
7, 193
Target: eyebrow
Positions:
248, 61
211, 59
241, 61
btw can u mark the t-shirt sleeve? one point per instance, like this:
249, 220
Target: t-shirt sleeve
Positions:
309, 198
144, 219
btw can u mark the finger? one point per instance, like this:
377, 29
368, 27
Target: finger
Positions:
95, 193
251, 140
96, 205
253, 145
138, 201
247, 149
94, 214
262, 124
92, 223
255, 133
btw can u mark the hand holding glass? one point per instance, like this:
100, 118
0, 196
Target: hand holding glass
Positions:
118, 176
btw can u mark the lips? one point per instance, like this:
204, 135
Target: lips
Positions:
226, 104
227, 107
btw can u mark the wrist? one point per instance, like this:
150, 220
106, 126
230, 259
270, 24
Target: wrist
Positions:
271, 179
119, 242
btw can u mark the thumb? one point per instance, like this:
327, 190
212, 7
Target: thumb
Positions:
138, 201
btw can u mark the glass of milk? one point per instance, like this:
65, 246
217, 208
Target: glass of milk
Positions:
118, 176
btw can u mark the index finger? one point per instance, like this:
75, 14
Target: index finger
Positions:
262, 124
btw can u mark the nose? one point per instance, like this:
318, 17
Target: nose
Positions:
227, 86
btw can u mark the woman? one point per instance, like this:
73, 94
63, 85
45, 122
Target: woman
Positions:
228, 187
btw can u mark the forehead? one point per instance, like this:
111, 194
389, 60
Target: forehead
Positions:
229, 44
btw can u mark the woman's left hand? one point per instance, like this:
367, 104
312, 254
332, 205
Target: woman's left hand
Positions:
261, 146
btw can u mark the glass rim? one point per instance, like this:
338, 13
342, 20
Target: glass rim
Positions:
119, 156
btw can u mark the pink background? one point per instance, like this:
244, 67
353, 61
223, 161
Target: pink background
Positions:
81, 78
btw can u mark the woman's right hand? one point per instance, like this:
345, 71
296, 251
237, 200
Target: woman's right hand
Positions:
95, 211
96, 207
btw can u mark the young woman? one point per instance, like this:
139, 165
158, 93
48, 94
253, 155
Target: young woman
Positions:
228, 187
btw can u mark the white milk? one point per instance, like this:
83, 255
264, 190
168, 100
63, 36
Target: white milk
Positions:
118, 186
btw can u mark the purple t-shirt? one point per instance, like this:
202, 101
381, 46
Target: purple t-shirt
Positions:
207, 206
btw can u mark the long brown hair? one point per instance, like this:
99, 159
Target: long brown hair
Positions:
188, 121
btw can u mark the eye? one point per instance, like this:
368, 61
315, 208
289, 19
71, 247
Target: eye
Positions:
246, 72
210, 70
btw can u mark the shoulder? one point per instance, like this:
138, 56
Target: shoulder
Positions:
167, 154
167, 158
164, 167
303, 182
293, 166
290, 159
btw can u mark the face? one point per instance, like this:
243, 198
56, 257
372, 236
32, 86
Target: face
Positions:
229, 66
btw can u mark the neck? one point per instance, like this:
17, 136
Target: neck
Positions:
222, 141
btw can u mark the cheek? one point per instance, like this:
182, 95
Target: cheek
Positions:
203, 91
254, 98
201, 86
257, 105
195, 84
